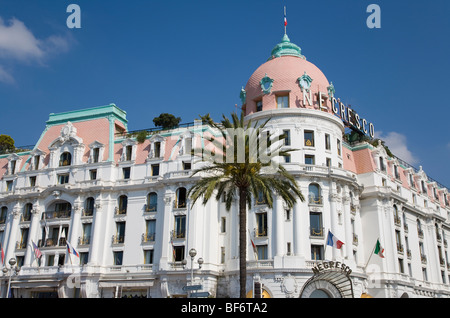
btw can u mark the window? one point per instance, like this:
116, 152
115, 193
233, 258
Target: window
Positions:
222, 255
65, 159
327, 142
155, 170
338, 147
261, 250
314, 194
23, 238
261, 224
316, 252
309, 159
120, 233
148, 257
13, 166
129, 152
180, 226
86, 238
157, 147
118, 257
89, 207
396, 174
328, 162
400, 265
382, 166
9, 186
84, 258
126, 172
178, 253
287, 158
315, 224
223, 225
260, 199
180, 201
309, 138
26, 216
95, 154
152, 202
63, 178
287, 137
32, 181
282, 101
186, 165
93, 174
3, 215
150, 231
123, 204
259, 106
36, 162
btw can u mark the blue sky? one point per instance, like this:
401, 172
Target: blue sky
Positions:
190, 58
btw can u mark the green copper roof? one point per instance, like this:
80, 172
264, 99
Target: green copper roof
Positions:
286, 48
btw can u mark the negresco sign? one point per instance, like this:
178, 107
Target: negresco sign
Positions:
324, 266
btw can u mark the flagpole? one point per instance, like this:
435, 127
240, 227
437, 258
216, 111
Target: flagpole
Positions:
325, 250
373, 250
284, 20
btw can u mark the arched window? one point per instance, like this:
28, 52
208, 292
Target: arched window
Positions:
180, 201
152, 202
89, 207
315, 196
26, 215
65, 159
123, 204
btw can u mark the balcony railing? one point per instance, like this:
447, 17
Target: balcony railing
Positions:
57, 215
178, 234
120, 211
150, 207
148, 237
50, 242
84, 240
118, 239
317, 232
315, 200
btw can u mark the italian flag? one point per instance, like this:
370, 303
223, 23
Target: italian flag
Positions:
379, 250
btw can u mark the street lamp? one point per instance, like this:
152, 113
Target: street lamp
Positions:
12, 269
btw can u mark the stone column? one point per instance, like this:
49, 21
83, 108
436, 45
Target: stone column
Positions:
34, 226
95, 235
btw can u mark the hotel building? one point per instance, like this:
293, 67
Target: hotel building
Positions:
121, 202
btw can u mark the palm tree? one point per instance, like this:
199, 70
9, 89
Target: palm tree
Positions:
257, 174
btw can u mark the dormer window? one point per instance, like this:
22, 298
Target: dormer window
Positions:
128, 150
65, 159
13, 166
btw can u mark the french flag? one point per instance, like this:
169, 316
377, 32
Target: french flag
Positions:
71, 250
334, 241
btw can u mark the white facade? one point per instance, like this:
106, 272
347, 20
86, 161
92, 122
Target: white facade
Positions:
122, 205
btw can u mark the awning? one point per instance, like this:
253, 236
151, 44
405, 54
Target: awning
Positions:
337, 278
125, 283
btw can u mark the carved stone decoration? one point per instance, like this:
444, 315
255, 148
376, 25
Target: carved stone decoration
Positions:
289, 286
167, 200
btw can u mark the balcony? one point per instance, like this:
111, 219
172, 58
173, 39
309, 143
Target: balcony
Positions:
57, 215
178, 234
315, 200
84, 240
118, 239
120, 211
316, 232
397, 221
148, 237
150, 207
51, 242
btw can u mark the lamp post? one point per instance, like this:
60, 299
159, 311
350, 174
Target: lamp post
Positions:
12, 269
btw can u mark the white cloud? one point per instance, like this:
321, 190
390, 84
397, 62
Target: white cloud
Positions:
19, 44
5, 77
398, 146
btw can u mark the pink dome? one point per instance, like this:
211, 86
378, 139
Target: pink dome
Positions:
284, 73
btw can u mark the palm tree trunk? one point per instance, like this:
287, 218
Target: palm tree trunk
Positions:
242, 241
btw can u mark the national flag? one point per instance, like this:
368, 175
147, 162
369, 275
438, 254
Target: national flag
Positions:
255, 251
71, 250
37, 251
379, 250
285, 19
3, 254
334, 241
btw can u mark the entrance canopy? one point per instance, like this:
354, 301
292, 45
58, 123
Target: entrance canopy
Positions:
333, 282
